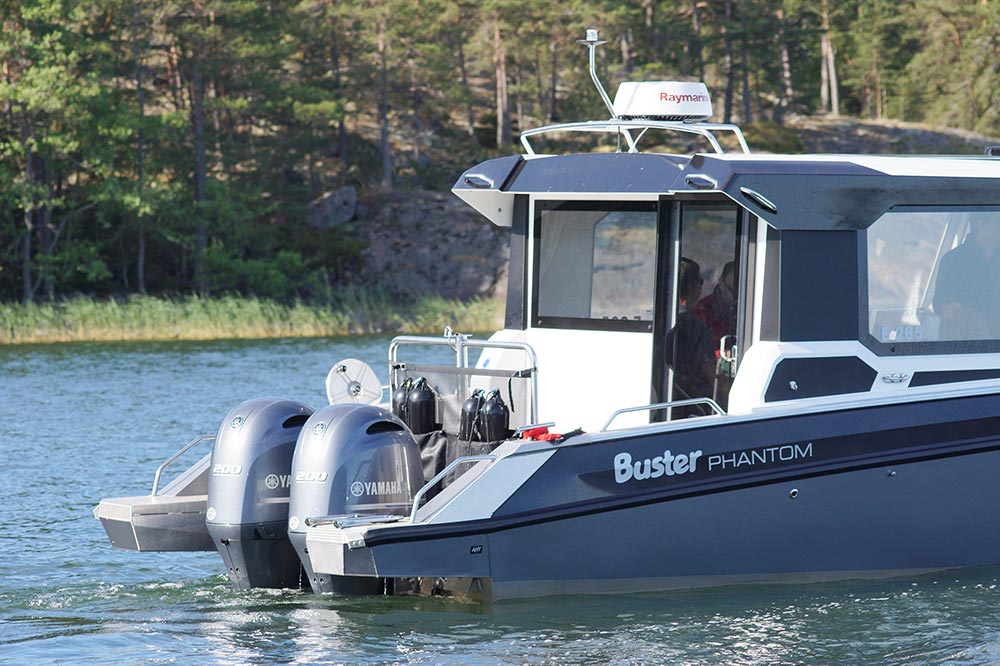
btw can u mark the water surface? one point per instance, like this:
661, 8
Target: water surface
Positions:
86, 421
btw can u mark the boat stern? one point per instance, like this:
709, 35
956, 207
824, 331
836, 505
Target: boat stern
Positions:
397, 552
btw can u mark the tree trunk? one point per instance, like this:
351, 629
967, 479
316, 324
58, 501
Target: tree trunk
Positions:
46, 235
824, 73
140, 262
786, 93
415, 97
27, 286
518, 92
470, 113
224, 128
627, 48
876, 67
876, 86
728, 63
553, 81
834, 86
829, 96
786, 72
745, 63
200, 168
338, 86
696, 43
173, 61
540, 82
27, 289
500, 66
383, 107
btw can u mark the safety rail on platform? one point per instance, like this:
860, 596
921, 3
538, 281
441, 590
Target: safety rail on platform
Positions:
443, 473
184, 449
461, 343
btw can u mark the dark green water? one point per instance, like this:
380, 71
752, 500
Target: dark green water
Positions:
86, 421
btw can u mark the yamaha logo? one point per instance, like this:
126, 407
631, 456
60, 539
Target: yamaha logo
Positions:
372, 488
319, 428
237, 422
271, 481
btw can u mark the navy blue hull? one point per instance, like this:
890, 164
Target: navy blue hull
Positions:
871, 522
852, 493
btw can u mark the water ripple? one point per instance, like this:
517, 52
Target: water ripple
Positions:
94, 420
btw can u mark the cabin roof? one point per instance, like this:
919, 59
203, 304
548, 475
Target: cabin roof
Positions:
841, 192
804, 192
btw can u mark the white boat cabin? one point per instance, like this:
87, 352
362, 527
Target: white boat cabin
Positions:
819, 279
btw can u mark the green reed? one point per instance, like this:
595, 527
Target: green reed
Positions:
349, 311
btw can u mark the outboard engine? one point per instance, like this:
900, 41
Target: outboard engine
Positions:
248, 492
351, 459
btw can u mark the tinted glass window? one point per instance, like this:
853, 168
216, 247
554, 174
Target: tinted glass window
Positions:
702, 349
595, 262
934, 276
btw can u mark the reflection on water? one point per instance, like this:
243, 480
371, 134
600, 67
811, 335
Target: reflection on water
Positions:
942, 618
82, 422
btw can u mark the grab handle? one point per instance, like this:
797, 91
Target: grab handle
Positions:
440, 475
187, 447
663, 405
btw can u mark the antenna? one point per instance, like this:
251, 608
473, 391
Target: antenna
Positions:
592, 42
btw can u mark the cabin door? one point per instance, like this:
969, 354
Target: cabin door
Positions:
700, 298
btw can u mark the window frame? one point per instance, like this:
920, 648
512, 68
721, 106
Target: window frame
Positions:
914, 347
586, 323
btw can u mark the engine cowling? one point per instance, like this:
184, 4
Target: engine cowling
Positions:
248, 491
351, 459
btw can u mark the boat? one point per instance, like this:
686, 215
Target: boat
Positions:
716, 368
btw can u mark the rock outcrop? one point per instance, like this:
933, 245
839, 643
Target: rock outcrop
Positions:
421, 243
333, 209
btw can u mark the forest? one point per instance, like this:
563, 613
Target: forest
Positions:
171, 148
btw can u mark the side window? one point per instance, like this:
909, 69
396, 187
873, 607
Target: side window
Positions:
702, 347
934, 276
595, 264
624, 264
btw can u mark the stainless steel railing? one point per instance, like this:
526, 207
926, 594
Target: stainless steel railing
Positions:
440, 475
666, 405
184, 449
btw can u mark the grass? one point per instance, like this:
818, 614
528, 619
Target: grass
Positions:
351, 311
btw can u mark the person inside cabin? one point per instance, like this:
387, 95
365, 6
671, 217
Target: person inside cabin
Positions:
689, 344
967, 292
718, 311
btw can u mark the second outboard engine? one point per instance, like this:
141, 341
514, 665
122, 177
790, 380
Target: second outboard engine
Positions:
248, 492
351, 459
